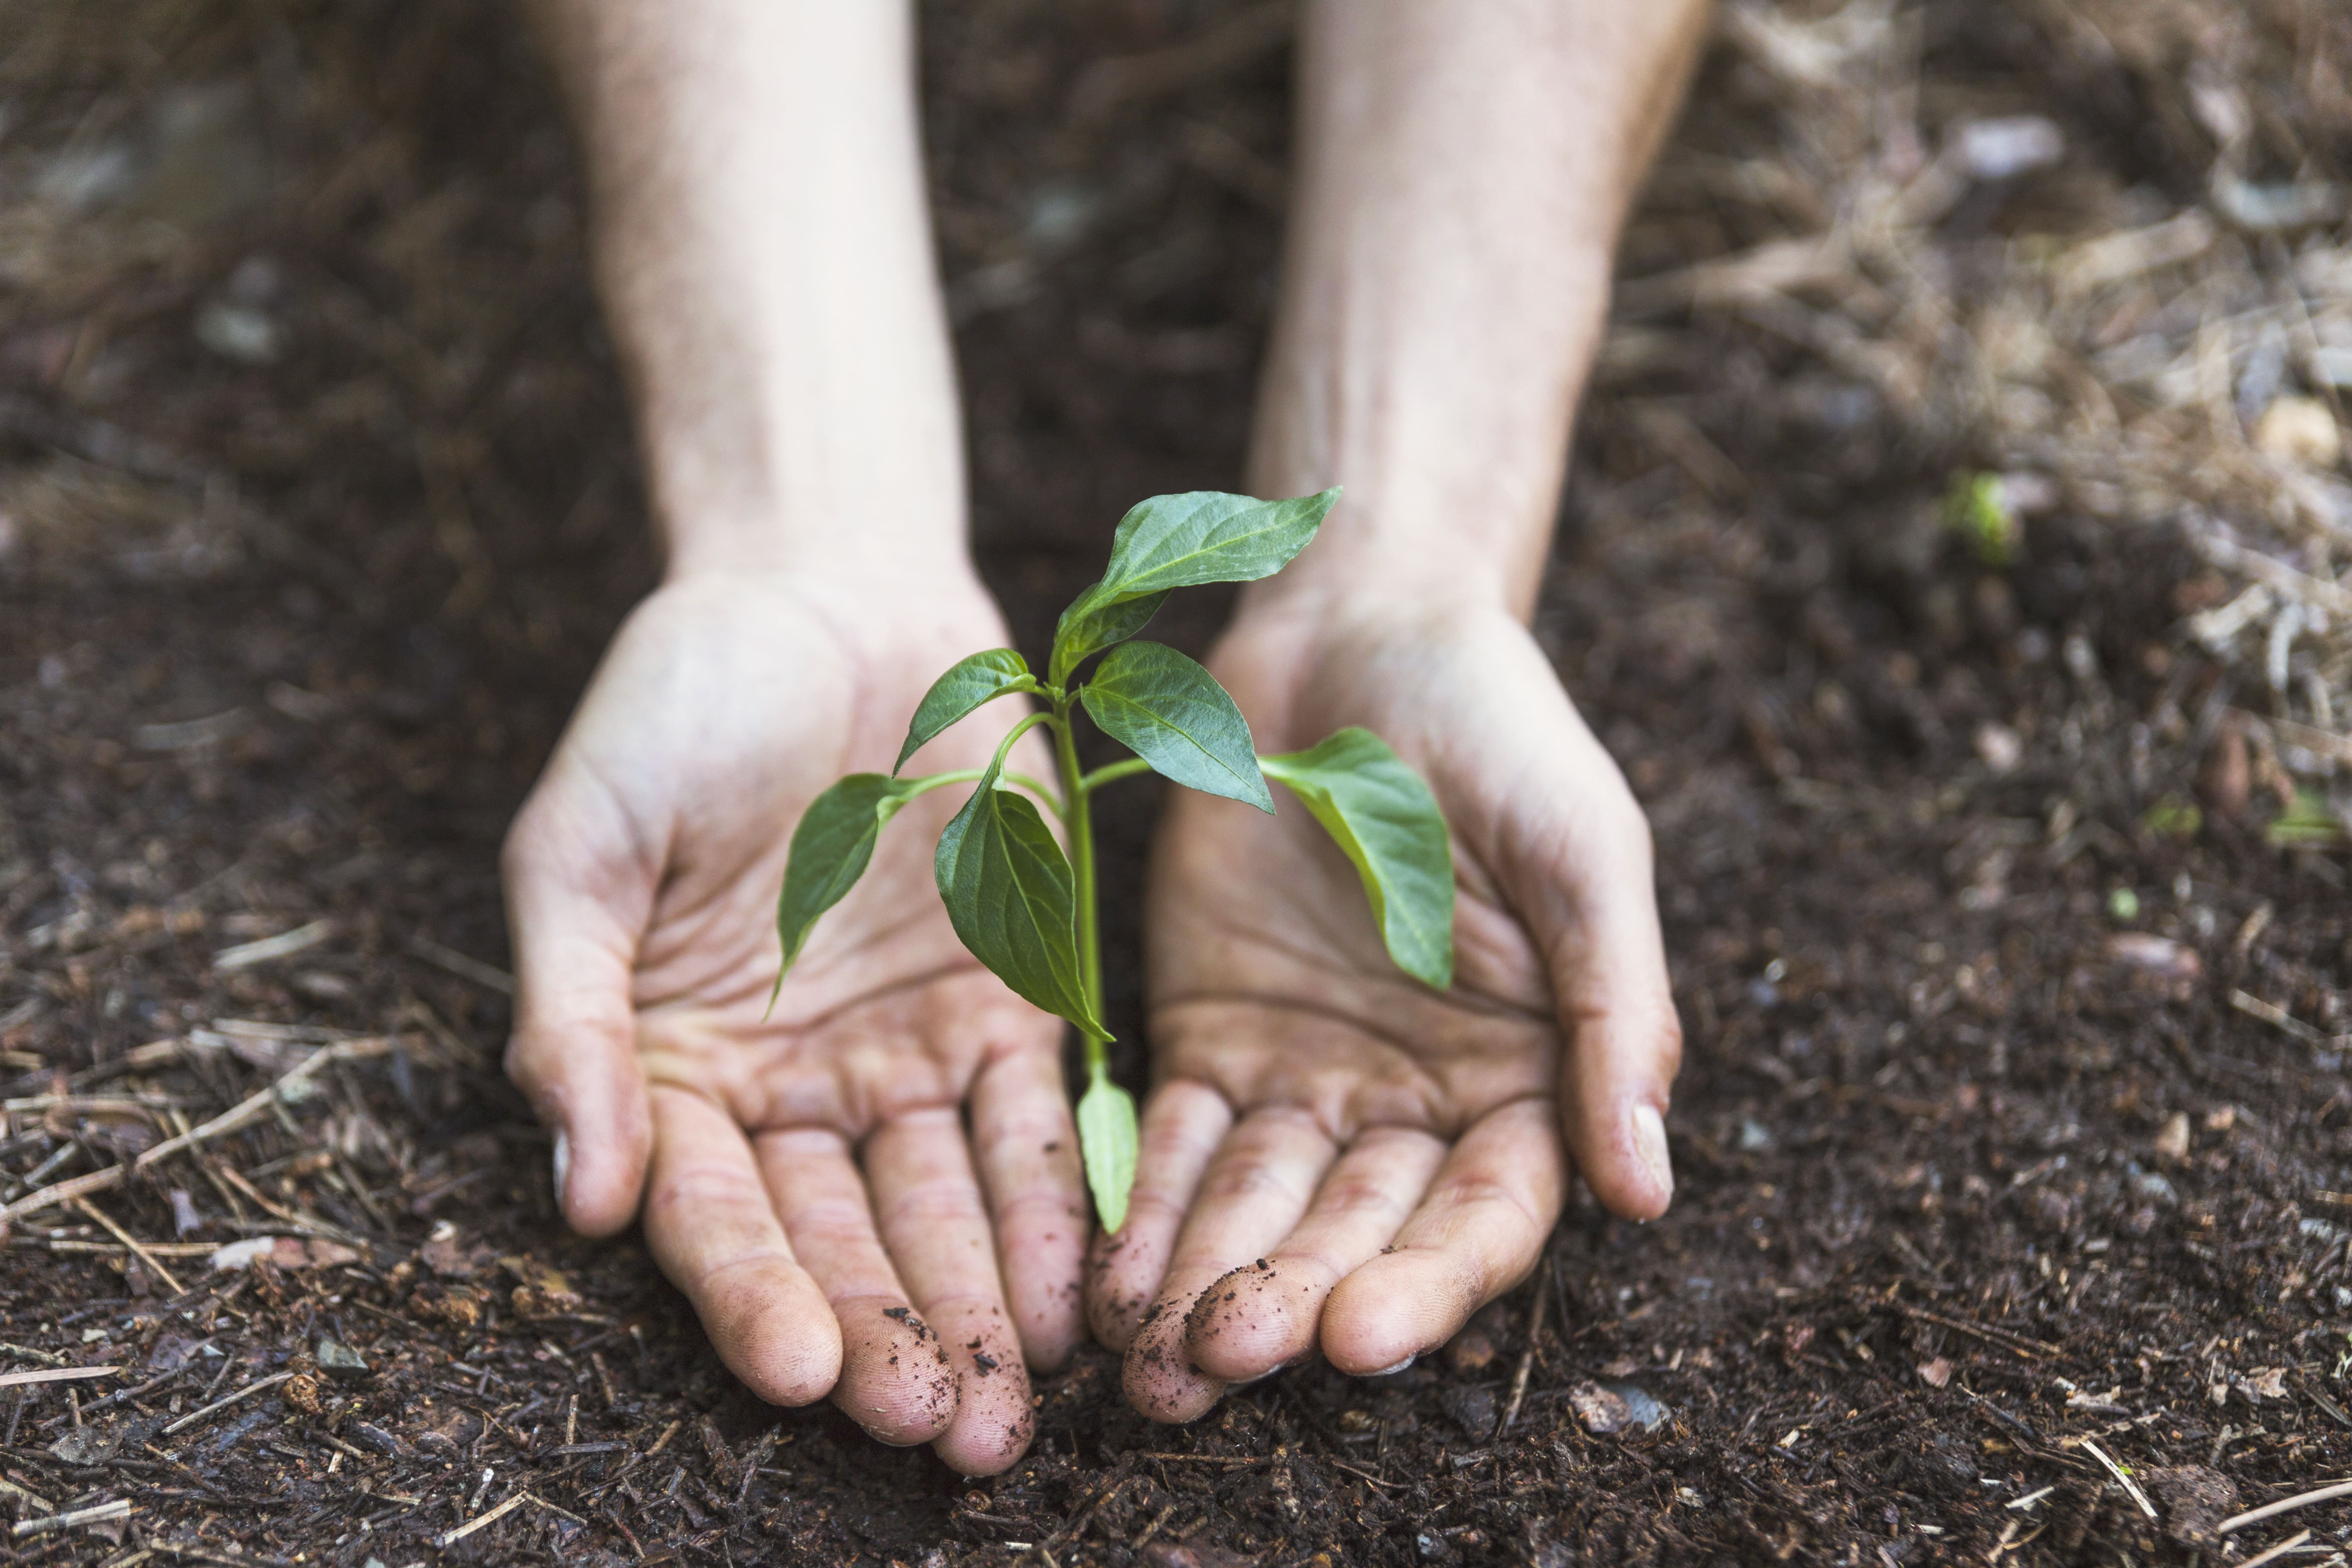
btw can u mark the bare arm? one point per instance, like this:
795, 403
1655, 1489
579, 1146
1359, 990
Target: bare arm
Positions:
870, 1190
763, 248
1354, 1160
1463, 173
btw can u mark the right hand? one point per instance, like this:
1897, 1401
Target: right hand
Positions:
804, 1175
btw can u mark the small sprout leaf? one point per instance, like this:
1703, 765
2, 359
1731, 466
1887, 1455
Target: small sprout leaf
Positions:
1169, 712
1093, 623
1013, 899
1202, 536
1182, 542
2313, 823
1107, 1138
1382, 816
968, 684
830, 850
1979, 507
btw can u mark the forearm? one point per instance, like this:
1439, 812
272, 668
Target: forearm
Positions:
763, 248
1461, 175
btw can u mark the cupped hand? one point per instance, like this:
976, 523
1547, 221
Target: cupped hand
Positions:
1334, 1155
804, 1175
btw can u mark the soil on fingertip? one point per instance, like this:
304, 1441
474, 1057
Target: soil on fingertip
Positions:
1999, 839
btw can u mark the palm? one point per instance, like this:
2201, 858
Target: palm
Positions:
1269, 980
810, 1179
1315, 1107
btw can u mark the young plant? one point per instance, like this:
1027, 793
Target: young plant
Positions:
1027, 909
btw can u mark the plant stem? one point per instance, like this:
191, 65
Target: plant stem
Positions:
1045, 791
1111, 773
1079, 821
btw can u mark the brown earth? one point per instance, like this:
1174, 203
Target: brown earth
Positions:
2015, 1121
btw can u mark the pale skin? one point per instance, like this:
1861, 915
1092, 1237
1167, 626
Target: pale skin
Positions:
874, 1194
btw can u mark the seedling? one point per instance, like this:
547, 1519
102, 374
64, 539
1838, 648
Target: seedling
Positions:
1025, 907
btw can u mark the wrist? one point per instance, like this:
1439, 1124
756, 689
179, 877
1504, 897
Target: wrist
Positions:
815, 498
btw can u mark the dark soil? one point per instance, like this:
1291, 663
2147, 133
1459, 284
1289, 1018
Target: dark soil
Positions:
1992, 1145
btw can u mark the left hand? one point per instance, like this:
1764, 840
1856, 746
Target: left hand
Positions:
1333, 1154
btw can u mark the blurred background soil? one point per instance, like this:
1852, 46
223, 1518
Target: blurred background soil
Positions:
1955, 559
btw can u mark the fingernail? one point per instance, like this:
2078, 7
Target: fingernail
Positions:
562, 1165
1650, 1142
1392, 1371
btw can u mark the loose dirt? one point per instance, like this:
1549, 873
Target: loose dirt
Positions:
2009, 918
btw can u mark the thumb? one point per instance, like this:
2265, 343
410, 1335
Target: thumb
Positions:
1582, 878
578, 896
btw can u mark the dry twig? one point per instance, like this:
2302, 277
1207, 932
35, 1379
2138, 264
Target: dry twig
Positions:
2123, 1477
1527, 1356
2285, 1505
223, 1403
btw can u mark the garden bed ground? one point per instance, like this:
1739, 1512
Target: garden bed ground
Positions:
2014, 1130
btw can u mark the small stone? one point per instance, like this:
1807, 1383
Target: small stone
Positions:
2001, 747
1471, 1408
86, 1445
1475, 1347
338, 1360
1601, 1411
2299, 430
1644, 1411
444, 1255
2172, 1138
2158, 954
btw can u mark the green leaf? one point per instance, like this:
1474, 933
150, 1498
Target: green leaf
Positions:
1107, 1139
969, 683
1013, 899
1380, 813
1090, 626
1169, 712
1203, 536
1182, 542
830, 850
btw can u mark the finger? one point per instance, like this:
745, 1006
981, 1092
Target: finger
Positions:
1027, 1147
573, 913
1182, 1126
1250, 1196
1576, 864
896, 1381
1256, 1319
1477, 1234
937, 1231
709, 1225
1608, 963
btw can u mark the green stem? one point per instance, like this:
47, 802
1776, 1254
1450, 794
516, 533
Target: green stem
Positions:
1111, 773
1079, 821
1038, 787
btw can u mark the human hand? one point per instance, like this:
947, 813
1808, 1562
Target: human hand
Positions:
1335, 1154
805, 1176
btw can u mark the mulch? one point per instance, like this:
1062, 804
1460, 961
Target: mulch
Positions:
2014, 1136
